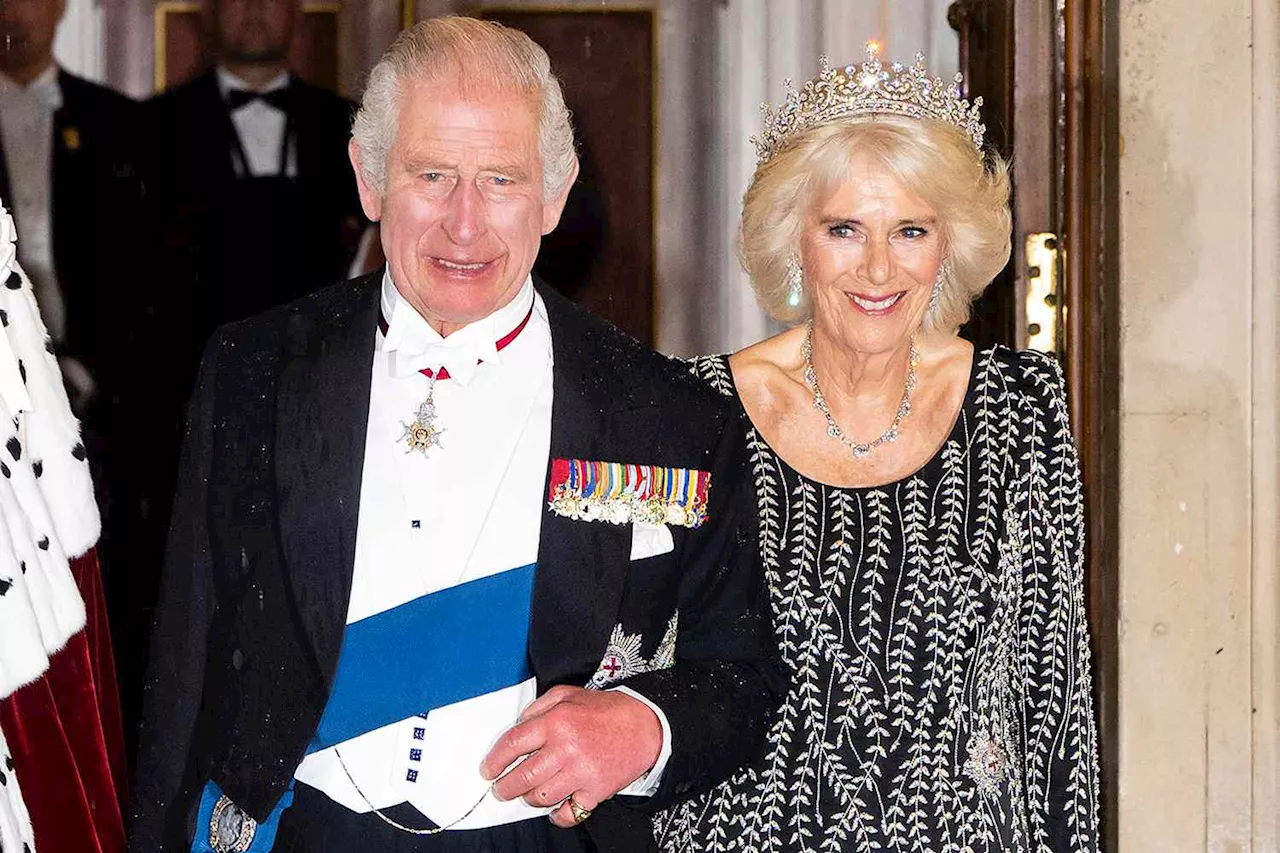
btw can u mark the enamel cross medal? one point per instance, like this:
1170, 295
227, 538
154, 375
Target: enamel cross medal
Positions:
424, 433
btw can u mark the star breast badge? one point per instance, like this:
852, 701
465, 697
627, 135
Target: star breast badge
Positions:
622, 658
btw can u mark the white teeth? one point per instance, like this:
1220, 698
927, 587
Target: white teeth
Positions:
451, 265
868, 305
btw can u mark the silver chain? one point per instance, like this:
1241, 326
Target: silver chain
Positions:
820, 402
435, 830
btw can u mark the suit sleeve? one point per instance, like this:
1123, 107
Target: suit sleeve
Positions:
166, 785
724, 687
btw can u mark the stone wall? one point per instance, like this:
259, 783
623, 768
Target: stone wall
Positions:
1198, 439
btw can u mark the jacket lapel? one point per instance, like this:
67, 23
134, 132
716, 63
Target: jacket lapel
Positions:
321, 422
597, 413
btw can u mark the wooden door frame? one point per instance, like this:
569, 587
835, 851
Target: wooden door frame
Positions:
1091, 226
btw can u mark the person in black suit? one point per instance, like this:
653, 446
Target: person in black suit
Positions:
68, 173
413, 502
257, 203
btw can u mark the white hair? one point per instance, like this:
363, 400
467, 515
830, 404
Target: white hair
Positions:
933, 159
475, 54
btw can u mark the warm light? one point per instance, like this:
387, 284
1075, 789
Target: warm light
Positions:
873, 48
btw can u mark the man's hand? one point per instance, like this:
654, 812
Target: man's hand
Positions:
585, 743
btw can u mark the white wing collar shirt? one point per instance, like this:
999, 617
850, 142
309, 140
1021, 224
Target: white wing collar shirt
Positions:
468, 509
261, 127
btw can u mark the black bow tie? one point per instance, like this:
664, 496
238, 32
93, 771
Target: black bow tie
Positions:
278, 98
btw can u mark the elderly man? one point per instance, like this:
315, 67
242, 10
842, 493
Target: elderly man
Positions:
410, 504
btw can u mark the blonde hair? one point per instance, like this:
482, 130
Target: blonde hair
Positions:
930, 158
476, 55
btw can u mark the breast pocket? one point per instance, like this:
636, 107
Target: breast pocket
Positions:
650, 540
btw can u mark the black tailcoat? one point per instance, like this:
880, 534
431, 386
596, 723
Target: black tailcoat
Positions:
261, 553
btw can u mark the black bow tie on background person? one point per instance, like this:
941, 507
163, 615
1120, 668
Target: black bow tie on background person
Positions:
278, 98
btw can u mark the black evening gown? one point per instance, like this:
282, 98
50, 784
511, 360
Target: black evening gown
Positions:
935, 637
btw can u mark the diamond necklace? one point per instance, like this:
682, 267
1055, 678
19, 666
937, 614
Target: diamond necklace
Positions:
820, 402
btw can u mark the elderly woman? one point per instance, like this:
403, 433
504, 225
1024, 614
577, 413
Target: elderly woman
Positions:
920, 505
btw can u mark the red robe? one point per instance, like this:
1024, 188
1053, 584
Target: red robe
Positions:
65, 734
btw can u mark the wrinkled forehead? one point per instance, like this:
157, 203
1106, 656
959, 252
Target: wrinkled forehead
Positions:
438, 116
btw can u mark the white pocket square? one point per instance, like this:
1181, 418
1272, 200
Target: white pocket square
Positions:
650, 540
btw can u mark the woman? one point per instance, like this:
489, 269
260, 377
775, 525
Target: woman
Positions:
920, 506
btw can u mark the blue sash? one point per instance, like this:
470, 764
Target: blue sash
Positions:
455, 644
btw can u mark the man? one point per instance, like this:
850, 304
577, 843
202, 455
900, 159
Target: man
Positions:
68, 174
412, 502
257, 203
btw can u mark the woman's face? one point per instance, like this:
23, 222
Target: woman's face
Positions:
870, 252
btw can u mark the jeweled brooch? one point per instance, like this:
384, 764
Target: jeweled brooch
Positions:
988, 763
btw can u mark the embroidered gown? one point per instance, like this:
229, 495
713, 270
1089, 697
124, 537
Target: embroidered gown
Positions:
934, 633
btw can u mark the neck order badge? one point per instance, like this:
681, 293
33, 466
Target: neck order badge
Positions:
423, 433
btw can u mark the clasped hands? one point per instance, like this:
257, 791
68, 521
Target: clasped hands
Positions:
587, 744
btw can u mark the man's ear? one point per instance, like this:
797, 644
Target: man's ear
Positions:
370, 199
552, 209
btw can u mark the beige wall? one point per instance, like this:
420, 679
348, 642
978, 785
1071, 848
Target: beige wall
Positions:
1198, 439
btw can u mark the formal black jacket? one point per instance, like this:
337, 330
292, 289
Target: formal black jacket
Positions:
261, 552
99, 230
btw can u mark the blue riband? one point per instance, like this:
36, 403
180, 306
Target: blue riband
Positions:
455, 644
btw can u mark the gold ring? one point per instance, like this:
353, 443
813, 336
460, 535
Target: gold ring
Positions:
579, 813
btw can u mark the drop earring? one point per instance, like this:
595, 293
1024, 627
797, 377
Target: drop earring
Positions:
935, 297
795, 279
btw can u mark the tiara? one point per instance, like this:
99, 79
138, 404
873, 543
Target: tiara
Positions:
865, 90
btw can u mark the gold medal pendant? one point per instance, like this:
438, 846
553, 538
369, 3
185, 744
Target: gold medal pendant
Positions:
423, 433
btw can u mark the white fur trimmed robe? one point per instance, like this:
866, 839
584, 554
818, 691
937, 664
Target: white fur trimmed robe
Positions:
47, 510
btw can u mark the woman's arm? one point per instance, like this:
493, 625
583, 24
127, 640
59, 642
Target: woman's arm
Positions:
1060, 745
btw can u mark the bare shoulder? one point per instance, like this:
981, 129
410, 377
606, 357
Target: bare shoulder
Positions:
769, 375
947, 362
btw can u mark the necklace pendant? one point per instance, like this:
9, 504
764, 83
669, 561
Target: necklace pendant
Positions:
424, 433
860, 451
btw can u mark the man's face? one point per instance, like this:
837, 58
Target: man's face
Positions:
27, 28
462, 210
254, 30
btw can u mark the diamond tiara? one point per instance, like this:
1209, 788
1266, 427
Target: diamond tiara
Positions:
866, 90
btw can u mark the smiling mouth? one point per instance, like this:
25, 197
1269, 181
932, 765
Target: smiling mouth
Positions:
461, 268
448, 264
877, 306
